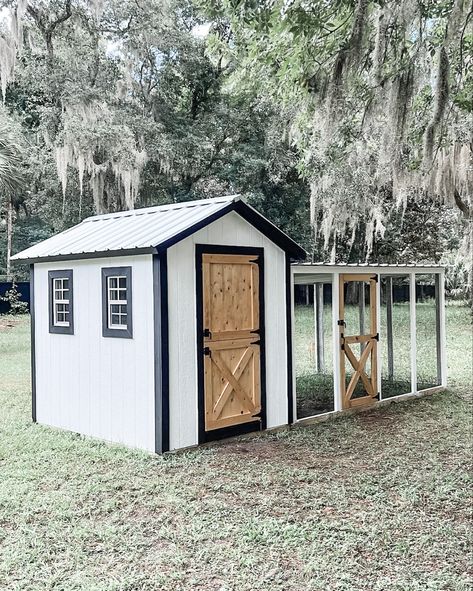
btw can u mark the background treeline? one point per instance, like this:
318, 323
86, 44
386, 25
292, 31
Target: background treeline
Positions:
122, 104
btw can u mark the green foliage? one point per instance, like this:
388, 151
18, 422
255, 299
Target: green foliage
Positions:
123, 104
13, 298
378, 99
11, 148
137, 82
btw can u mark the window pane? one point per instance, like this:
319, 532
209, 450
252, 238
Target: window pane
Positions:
112, 282
115, 319
122, 282
113, 294
115, 308
65, 283
122, 294
123, 319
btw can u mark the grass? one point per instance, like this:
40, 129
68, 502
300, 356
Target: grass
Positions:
377, 501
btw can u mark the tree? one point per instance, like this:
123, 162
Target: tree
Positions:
378, 94
122, 107
11, 148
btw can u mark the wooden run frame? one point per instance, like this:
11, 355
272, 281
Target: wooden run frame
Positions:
316, 275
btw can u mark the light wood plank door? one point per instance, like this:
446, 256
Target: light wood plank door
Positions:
358, 367
231, 322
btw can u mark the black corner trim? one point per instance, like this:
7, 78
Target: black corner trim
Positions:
67, 274
117, 332
260, 423
254, 218
161, 352
33, 346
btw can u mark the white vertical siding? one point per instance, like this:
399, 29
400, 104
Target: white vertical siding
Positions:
103, 387
234, 231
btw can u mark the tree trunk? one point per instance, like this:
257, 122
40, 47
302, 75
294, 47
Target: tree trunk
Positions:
9, 236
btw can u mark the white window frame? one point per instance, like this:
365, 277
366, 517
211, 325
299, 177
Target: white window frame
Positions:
117, 302
57, 288
110, 297
61, 301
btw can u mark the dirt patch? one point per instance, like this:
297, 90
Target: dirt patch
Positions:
7, 323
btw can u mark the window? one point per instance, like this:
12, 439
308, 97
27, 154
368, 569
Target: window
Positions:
116, 304
61, 312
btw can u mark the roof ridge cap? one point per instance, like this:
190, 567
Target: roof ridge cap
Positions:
164, 207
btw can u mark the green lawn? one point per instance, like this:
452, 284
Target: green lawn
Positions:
376, 501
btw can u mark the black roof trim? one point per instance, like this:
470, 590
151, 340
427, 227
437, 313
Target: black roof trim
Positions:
249, 214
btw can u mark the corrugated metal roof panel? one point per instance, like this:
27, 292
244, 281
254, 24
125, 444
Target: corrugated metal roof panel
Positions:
141, 229
362, 265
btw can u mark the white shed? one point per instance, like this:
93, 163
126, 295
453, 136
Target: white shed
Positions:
164, 327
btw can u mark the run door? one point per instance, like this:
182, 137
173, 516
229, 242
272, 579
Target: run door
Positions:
358, 339
232, 333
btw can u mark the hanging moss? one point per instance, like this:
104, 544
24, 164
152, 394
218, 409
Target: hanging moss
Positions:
440, 103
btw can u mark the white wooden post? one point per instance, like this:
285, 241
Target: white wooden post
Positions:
380, 341
337, 399
442, 330
293, 325
361, 311
389, 325
319, 327
412, 324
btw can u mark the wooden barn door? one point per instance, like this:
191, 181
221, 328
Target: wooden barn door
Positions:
231, 334
358, 341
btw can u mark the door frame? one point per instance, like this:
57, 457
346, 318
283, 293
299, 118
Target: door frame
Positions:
258, 425
369, 337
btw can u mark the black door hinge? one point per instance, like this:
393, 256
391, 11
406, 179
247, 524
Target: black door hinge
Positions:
376, 336
257, 331
207, 351
207, 333
341, 323
375, 278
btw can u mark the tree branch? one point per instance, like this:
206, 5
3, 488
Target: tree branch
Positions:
47, 27
462, 206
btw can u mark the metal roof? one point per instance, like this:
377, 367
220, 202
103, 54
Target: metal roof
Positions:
308, 273
363, 265
148, 230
